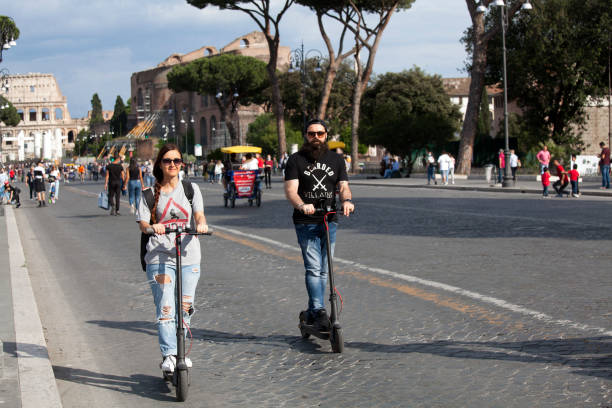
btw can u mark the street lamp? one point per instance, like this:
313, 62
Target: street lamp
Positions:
234, 103
297, 60
504, 23
183, 121
7, 39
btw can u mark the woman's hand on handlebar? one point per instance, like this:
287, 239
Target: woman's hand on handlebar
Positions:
159, 229
201, 228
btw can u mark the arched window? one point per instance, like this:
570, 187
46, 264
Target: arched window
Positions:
59, 114
45, 114
20, 113
71, 136
244, 43
32, 115
203, 132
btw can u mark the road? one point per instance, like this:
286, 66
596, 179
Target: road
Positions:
451, 298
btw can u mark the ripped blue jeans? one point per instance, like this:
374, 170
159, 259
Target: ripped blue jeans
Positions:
312, 241
161, 278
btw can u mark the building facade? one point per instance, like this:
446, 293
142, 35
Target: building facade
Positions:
46, 129
178, 113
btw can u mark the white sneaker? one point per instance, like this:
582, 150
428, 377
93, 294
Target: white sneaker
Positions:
132, 210
168, 364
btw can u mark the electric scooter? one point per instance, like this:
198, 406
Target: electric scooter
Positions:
334, 335
180, 377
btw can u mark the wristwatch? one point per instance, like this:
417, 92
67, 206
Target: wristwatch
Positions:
347, 200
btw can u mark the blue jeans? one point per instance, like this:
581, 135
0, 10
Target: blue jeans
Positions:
431, 174
605, 175
161, 279
134, 189
312, 241
545, 191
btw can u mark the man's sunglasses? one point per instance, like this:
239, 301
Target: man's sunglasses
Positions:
319, 133
175, 161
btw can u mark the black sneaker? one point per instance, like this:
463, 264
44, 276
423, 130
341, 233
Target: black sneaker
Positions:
321, 321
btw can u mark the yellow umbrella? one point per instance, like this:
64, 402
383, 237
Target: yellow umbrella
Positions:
334, 144
241, 149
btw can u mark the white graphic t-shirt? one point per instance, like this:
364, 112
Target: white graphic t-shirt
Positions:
173, 210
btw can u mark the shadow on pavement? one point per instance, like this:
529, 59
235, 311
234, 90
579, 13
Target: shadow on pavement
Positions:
146, 386
590, 356
214, 336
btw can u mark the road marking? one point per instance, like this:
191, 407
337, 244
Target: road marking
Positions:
36, 379
438, 285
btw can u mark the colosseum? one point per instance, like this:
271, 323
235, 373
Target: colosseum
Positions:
46, 129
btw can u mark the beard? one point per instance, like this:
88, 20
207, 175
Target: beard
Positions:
314, 149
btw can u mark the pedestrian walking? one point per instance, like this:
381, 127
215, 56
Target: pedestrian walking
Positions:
515, 163
430, 164
545, 182
501, 165
604, 165
172, 208
39, 184
574, 177
443, 165
112, 183
268, 171
134, 184
218, 171
451, 169
30, 181
543, 157
311, 178
54, 182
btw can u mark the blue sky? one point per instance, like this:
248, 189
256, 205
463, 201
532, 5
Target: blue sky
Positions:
95, 46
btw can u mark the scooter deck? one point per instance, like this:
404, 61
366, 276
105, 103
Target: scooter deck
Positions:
314, 332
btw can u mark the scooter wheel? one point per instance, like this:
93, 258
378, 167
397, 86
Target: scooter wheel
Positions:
305, 335
182, 384
337, 341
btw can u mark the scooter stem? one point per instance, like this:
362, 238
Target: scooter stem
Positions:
180, 331
330, 266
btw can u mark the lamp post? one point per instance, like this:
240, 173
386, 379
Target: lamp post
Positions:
297, 60
8, 31
234, 104
504, 24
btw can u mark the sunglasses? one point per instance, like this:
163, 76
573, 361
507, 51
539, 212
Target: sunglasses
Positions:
176, 162
319, 133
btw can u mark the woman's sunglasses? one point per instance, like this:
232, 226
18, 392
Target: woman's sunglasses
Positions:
319, 133
176, 162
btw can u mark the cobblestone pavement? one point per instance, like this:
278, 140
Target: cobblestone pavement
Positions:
407, 343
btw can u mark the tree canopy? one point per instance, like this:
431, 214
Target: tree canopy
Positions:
96, 111
226, 74
118, 123
9, 116
407, 112
262, 133
8, 32
557, 59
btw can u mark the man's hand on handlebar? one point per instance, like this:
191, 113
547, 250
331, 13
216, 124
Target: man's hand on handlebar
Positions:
308, 209
202, 228
347, 208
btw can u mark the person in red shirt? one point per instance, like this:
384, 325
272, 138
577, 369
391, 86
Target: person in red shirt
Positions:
545, 181
268, 171
501, 165
574, 176
563, 181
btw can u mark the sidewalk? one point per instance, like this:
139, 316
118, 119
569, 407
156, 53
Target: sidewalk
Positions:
526, 184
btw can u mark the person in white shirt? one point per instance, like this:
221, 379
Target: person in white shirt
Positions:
444, 164
514, 163
451, 169
250, 163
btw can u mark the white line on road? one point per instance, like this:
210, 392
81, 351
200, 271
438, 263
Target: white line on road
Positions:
438, 285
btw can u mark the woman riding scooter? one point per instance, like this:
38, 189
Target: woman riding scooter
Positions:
171, 209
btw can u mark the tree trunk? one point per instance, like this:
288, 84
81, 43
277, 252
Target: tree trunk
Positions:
330, 76
277, 102
470, 123
357, 93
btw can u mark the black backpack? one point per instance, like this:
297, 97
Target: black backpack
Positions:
150, 201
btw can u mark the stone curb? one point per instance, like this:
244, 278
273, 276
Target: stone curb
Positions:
37, 384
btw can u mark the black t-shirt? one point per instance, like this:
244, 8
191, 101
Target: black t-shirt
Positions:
317, 182
114, 173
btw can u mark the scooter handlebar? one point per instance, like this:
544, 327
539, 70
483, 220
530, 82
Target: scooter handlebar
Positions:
189, 231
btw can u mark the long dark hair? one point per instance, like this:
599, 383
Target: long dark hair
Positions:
133, 163
159, 175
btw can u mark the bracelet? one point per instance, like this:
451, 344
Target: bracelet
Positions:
300, 206
347, 200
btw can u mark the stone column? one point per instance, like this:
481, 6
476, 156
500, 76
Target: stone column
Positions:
58, 144
21, 145
38, 138
46, 146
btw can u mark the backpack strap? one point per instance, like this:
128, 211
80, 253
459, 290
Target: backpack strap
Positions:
188, 188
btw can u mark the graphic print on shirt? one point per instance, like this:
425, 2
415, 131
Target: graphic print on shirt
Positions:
318, 172
174, 215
